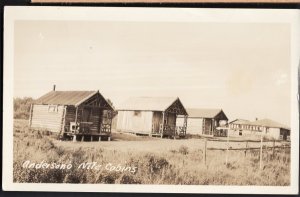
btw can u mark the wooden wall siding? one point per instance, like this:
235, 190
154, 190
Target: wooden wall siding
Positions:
114, 122
156, 120
194, 125
42, 118
95, 118
129, 122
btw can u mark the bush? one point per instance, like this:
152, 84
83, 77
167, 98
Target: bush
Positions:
129, 179
184, 150
22, 107
155, 163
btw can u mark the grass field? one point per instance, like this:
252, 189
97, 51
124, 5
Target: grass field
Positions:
130, 159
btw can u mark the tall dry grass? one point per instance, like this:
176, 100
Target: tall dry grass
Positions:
180, 165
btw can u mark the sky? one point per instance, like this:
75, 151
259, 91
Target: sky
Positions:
242, 68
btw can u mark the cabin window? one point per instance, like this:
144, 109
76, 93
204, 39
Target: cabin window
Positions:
137, 113
52, 108
240, 133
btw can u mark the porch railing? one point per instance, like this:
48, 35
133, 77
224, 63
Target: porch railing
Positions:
86, 128
172, 130
105, 128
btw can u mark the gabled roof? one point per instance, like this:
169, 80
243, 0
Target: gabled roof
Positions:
269, 123
203, 112
147, 104
241, 121
65, 97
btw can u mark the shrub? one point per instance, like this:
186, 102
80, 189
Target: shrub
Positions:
184, 150
129, 179
22, 107
155, 163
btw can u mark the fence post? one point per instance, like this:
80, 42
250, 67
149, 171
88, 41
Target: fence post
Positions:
227, 148
205, 147
260, 155
273, 155
246, 148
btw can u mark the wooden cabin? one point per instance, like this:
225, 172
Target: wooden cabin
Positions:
266, 127
205, 121
273, 129
242, 127
78, 115
152, 116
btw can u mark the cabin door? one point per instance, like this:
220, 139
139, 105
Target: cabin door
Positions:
156, 121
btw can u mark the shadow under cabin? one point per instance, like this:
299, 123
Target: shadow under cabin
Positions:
76, 115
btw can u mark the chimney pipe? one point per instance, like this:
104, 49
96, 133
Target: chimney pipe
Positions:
54, 87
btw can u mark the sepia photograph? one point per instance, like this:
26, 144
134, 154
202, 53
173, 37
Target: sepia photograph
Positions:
151, 97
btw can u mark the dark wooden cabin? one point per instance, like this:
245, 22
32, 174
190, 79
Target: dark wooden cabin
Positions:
79, 115
154, 116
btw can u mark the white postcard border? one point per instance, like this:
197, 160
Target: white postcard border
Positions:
13, 14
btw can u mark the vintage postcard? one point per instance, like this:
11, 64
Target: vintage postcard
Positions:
171, 100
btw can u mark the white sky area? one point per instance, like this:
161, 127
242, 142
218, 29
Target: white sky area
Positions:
243, 68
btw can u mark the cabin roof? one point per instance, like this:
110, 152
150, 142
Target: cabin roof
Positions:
203, 112
263, 122
147, 103
65, 97
270, 123
241, 121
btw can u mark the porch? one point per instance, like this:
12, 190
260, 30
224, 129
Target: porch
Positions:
170, 131
210, 126
166, 126
88, 123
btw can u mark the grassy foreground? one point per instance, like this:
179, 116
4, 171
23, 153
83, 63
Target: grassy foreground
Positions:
136, 161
